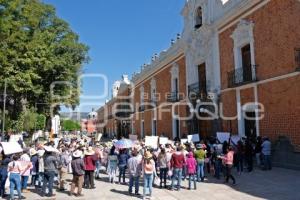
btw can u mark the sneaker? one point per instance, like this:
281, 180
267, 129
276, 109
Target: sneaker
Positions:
25, 191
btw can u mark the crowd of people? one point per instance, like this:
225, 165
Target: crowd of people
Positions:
47, 164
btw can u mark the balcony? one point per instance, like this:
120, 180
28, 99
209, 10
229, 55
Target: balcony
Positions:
297, 59
173, 97
242, 76
196, 91
142, 108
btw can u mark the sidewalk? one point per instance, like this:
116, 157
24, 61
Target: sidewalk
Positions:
278, 184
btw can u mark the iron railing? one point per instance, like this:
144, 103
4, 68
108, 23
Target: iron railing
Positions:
241, 76
197, 91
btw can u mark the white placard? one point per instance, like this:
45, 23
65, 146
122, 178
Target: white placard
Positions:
194, 138
223, 136
235, 139
11, 148
163, 140
133, 137
99, 136
184, 141
151, 141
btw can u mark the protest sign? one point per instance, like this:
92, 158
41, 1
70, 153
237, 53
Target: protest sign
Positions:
163, 140
151, 141
11, 148
223, 136
184, 141
234, 139
193, 138
133, 137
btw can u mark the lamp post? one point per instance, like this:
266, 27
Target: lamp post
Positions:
4, 108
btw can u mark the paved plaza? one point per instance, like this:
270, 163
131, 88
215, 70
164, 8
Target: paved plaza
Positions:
278, 184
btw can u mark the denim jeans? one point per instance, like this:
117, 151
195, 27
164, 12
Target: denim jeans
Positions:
200, 171
48, 182
112, 173
163, 176
15, 181
122, 170
177, 174
192, 177
267, 162
24, 180
98, 166
134, 180
184, 172
257, 155
148, 182
40, 178
3, 174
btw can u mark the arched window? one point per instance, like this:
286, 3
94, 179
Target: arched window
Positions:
198, 18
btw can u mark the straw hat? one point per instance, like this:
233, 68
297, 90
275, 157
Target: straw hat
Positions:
77, 154
32, 152
89, 152
148, 155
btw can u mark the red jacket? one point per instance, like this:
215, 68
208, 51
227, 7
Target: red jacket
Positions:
177, 160
90, 162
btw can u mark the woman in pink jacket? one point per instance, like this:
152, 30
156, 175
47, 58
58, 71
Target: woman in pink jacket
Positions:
228, 160
191, 165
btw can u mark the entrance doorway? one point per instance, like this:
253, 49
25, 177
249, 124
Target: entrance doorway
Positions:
250, 125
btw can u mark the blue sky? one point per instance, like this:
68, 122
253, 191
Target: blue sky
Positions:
122, 36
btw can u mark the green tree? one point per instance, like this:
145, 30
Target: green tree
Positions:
40, 122
70, 125
37, 49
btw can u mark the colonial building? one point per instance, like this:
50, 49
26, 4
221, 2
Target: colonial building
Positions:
235, 68
159, 95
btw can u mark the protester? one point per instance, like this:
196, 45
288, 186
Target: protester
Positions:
249, 155
15, 169
25, 174
228, 160
63, 168
99, 156
191, 164
122, 164
257, 150
50, 169
163, 167
35, 166
240, 152
266, 152
200, 155
177, 163
112, 165
90, 166
3, 173
149, 174
78, 173
134, 169
40, 167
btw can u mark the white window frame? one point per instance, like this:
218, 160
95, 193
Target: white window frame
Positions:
174, 75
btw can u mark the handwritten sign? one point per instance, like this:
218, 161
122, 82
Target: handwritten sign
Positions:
184, 141
194, 138
163, 140
223, 136
235, 139
151, 141
11, 148
133, 137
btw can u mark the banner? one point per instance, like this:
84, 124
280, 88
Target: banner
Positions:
163, 140
151, 141
11, 148
193, 138
223, 136
133, 137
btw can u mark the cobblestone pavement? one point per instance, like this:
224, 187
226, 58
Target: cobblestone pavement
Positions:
278, 184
